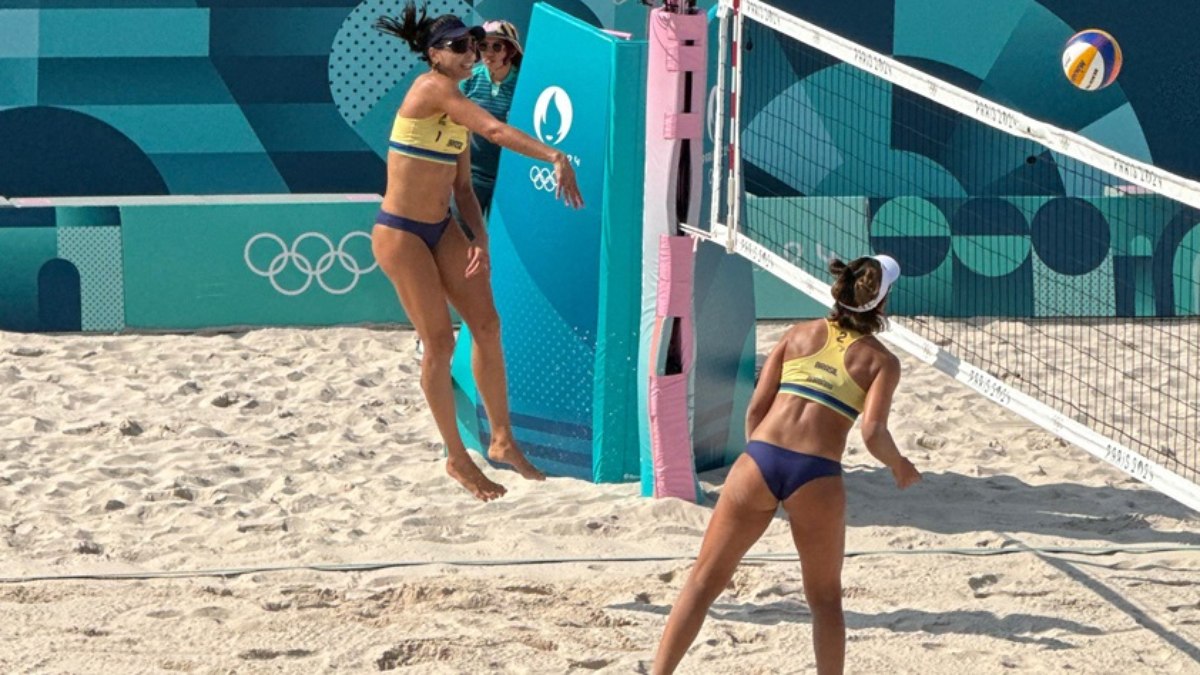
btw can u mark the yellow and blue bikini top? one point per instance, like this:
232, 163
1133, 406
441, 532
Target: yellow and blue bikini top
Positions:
823, 378
435, 138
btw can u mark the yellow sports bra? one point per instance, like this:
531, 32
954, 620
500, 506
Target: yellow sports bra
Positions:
435, 138
822, 377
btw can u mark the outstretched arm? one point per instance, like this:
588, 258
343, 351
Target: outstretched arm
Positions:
875, 432
466, 112
471, 115
766, 389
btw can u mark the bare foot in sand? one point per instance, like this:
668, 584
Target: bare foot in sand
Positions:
504, 451
463, 470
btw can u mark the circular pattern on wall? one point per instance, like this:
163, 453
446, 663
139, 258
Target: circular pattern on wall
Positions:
912, 230
989, 236
53, 152
1071, 236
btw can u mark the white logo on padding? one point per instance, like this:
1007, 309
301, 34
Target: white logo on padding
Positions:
290, 256
543, 178
553, 107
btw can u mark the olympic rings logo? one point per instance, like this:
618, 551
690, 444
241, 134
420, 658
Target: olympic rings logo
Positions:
291, 256
543, 178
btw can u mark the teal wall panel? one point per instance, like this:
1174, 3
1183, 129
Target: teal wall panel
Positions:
180, 129
134, 82
138, 31
18, 33
18, 81
231, 173
252, 264
23, 253
276, 31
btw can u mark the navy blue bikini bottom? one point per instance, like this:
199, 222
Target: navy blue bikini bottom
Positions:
430, 233
785, 471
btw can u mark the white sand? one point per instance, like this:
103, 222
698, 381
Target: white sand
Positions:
284, 447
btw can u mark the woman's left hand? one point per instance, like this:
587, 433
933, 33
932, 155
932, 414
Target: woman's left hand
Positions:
905, 473
478, 260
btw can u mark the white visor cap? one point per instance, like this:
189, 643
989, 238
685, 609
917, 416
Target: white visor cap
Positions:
891, 272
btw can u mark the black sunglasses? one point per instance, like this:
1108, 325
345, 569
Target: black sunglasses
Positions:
497, 46
461, 45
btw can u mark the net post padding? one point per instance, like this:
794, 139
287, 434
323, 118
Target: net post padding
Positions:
675, 83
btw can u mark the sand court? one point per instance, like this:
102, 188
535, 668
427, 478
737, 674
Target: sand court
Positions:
215, 453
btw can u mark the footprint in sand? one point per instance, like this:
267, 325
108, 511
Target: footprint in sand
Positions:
981, 582
414, 652
86, 429
217, 614
205, 432
164, 614
28, 352
268, 654
591, 664
229, 398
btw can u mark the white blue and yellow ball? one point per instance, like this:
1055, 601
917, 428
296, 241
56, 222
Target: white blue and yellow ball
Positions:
1092, 59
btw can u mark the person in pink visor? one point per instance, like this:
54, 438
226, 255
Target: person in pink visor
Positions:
491, 86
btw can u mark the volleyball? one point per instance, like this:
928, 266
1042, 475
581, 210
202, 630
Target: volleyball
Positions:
1092, 59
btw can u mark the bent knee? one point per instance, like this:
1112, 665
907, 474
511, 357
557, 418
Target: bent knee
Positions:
824, 599
710, 581
439, 348
485, 327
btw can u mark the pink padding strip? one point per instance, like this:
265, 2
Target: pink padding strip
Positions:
683, 125
670, 438
682, 27
685, 58
675, 276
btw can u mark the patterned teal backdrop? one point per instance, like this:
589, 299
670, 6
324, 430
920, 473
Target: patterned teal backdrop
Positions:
253, 96
984, 224
172, 97
997, 48
184, 97
153, 97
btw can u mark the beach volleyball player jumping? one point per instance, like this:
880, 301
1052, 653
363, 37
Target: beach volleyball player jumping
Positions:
428, 257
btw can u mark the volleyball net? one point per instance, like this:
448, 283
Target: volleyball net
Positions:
1056, 276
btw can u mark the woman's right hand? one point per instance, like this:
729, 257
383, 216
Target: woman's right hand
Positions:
567, 187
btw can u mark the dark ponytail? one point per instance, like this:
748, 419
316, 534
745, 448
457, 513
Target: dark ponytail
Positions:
411, 27
856, 284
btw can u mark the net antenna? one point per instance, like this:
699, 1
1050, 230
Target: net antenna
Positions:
1021, 229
